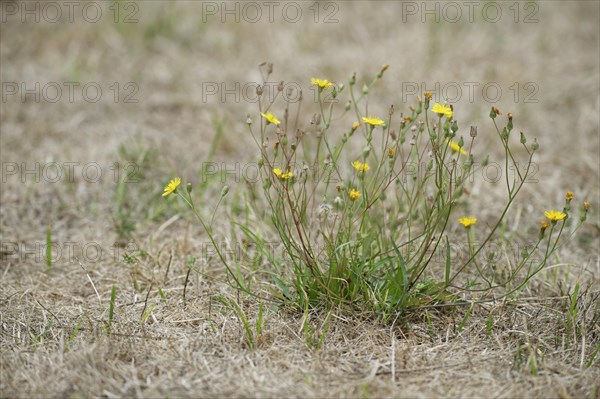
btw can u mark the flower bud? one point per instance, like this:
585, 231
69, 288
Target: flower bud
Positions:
224, 191
189, 188
473, 132
535, 146
523, 138
365, 89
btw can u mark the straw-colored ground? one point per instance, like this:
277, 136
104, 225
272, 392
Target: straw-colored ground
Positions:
54, 340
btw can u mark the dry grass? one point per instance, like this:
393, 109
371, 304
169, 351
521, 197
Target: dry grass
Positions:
196, 347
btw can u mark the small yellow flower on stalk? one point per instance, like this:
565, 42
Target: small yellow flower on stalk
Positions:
321, 83
172, 186
270, 118
569, 196
355, 125
360, 167
456, 148
543, 226
353, 194
586, 205
555, 216
442, 110
283, 176
373, 121
428, 95
467, 221
391, 152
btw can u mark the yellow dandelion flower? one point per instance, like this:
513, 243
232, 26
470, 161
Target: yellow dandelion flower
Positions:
555, 216
428, 95
283, 176
442, 109
586, 205
360, 167
391, 152
373, 121
270, 118
172, 186
456, 148
353, 194
321, 83
467, 221
544, 225
569, 196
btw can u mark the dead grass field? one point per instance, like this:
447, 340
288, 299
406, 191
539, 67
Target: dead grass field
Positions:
54, 340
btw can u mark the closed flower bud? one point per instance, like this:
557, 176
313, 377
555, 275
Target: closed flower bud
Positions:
365, 89
473, 132
347, 106
352, 79
523, 138
535, 146
189, 188
224, 191
248, 120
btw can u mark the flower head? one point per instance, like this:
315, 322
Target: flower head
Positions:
442, 110
467, 221
172, 186
360, 166
373, 121
283, 176
270, 118
321, 83
586, 205
355, 125
555, 216
353, 194
391, 152
569, 196
456, 148
544, 225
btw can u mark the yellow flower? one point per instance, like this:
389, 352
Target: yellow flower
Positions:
353, 194
360, 167
428, 95
544, 225
586, 205
555, 216
569, 196
442, 109
172, 186
321, 83
270, 118
355, 125
391, 152
467, 221
281, 175
456, 148
373, 121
